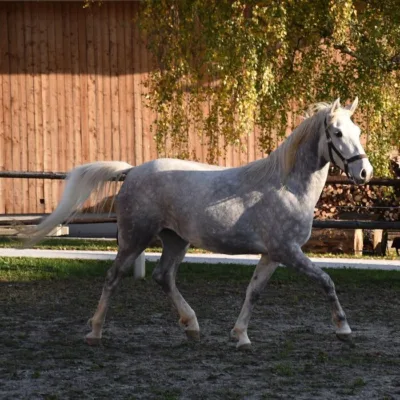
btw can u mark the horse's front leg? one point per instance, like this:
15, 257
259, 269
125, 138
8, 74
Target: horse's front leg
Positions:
295, 258
263, 272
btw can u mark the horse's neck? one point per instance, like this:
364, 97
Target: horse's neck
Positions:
305, 180
309, 173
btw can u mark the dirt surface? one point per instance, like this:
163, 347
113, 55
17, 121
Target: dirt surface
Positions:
145, 355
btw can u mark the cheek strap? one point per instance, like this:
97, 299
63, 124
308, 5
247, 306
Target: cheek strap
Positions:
332, 149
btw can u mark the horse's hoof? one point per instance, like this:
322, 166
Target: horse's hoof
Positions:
346, 338
193, 335
92, 341
244, 347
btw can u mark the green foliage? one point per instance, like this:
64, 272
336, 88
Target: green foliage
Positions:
89, 3
228, 67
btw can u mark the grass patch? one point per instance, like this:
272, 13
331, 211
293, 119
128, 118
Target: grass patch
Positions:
229, 272
63, 244
28, 269
77, 244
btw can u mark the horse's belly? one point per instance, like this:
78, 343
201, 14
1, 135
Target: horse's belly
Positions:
232, 247
230, 243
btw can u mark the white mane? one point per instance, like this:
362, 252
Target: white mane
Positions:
285, 155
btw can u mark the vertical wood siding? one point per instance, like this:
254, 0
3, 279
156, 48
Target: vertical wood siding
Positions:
71, 92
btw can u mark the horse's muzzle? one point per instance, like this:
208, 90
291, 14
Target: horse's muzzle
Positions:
364, 174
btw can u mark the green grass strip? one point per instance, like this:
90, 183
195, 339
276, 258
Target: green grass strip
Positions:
64, 244
30, 269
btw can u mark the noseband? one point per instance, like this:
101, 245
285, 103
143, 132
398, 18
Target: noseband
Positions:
332, 148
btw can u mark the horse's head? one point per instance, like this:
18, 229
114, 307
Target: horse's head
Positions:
341, 143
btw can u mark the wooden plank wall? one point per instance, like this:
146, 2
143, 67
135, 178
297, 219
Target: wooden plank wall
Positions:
71, 92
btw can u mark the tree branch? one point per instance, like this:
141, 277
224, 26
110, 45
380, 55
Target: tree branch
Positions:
346, 50
392, 64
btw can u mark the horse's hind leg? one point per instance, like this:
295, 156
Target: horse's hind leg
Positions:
174, 250
128, 252
263, 272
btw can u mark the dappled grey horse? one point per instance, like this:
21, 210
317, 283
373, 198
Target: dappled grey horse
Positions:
265, 207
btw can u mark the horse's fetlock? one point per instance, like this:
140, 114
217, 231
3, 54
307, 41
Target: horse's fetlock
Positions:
341, 318
189, 320
238, 330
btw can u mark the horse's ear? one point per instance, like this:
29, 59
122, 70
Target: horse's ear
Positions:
352, 107
335, 106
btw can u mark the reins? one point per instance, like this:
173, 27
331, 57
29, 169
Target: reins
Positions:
332, 148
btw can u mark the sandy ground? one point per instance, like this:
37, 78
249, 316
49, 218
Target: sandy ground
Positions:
145, 355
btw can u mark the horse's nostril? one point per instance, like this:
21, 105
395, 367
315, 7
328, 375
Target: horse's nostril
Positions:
363, 173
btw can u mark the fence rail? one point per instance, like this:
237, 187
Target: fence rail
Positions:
335, 224
338, 180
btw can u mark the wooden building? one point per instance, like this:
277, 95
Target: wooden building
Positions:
71, 92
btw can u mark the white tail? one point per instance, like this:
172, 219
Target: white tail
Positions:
81, 182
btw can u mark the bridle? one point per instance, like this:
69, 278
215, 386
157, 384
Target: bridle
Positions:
332, 148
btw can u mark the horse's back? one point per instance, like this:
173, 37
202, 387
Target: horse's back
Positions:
172, 177
175, 164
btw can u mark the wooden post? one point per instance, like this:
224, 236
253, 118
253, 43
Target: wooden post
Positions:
358, 242
139, 269
377, 241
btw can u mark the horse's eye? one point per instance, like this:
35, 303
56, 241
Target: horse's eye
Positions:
339, 133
